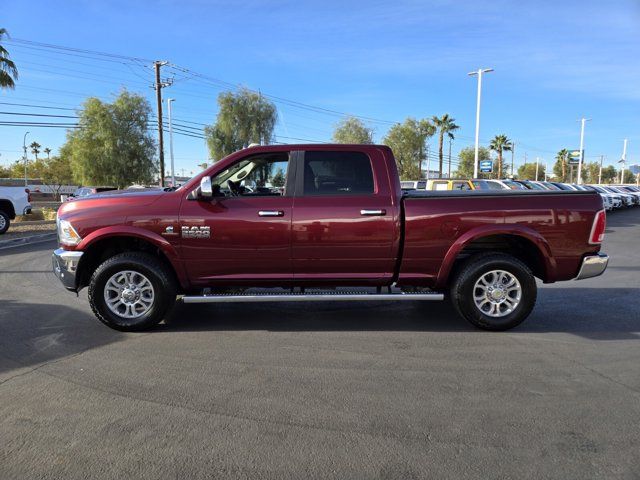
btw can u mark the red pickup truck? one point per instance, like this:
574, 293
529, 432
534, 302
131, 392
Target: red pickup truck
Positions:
323, 222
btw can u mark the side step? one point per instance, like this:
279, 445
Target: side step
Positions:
314, 297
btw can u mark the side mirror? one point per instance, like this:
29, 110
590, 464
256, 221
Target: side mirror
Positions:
206, 189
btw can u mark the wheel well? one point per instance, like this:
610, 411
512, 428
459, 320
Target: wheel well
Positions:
7, 207
519, 247
101, 250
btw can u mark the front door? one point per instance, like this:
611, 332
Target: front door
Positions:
243, 234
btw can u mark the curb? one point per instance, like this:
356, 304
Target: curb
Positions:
18, 242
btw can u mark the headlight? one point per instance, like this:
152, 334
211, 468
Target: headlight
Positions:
67, 235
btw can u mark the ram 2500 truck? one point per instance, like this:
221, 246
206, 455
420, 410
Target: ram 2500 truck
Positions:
323, 222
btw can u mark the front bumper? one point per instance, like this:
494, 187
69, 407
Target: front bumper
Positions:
65, 265
592, 266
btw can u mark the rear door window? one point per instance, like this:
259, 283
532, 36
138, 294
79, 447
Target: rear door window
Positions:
337, 173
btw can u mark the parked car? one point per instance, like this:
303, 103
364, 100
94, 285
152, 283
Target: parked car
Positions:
485, 184
607, 198
341, 221
413, 185
86, 191
13, 201
449, 184
530, 185
628, 200
616, 199
547, 185
628, 191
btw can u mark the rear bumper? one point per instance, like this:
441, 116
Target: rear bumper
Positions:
592, 266
65, 266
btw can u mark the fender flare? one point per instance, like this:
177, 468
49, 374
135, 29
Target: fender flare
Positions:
153, 238
522, 231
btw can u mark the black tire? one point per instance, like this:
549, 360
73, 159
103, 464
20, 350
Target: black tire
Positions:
158, 274
464, 284
4, 222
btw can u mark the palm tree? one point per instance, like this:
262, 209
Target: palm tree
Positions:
35, 149
499, 144
47, 151
562, 157
8, 70
444, 124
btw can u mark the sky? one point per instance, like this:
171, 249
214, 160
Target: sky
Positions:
554, 62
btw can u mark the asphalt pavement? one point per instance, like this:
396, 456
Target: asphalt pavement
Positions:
344, 391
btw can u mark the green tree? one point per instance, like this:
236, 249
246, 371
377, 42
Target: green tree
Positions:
609, 174
352, 130
55, 172
5, 172
407, 140
278, 179
48, 152
560, 167
444, 125
112, 145
499, 144
628, 177
528, 171
35, 149
467, 158
243, 118
8, 69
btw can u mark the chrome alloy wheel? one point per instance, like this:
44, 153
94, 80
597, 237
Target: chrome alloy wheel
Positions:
3, 222
129, 294
497, 293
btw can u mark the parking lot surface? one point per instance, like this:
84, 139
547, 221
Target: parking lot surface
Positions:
323, 390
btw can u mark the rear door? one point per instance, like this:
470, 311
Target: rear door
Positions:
345, 225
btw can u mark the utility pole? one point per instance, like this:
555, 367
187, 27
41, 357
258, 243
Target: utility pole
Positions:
173, 171
158, 87
600, 173
479, 73
24, 156
537, 163
623, 161
428, 163
449, 169
546, 169
582, 122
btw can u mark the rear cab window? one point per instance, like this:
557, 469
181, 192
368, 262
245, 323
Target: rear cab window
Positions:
337, 173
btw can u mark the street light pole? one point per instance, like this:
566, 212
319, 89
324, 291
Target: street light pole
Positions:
537, 163
24, 156
623, 161
173, 171
582, 122
479, 73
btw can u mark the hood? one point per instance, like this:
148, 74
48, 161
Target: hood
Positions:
113, 200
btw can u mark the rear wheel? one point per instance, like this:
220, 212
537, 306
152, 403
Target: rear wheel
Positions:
494, 291
132, 291
4, 222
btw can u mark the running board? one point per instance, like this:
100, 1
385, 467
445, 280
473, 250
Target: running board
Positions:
311, 297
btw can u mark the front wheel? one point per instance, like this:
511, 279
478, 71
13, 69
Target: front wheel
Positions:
494, 291
4, 222
132, 291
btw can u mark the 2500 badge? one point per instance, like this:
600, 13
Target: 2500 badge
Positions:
196, 232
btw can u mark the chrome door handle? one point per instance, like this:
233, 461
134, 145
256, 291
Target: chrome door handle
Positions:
372, 213
271, 213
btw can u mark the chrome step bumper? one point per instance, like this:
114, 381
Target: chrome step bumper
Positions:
314, 297
592, 266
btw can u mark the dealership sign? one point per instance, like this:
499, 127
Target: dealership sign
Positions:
486, 166
574, 157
